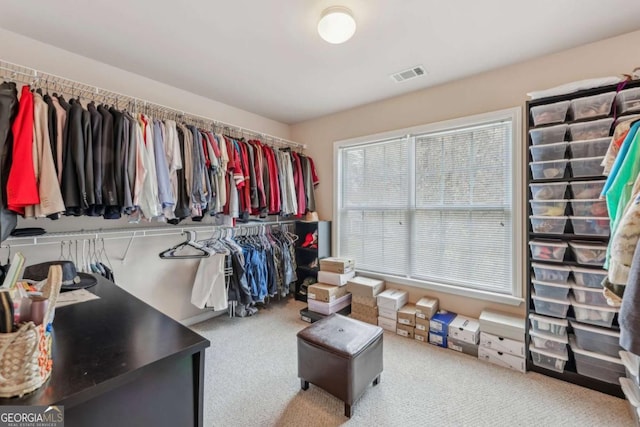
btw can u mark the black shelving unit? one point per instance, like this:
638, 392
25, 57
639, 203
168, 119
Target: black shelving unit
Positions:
570, 373
308, 256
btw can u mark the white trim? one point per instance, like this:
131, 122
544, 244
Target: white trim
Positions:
518, 198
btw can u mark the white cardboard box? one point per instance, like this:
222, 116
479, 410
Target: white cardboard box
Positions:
388, 324
392, 298
462, 346
465, 329
335, 278
426, 307
365, 286
501, 344
501, 359
388, 313
502, 325
327, 308
422, 324
421, 335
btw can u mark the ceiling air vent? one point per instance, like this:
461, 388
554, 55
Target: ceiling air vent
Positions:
409, 74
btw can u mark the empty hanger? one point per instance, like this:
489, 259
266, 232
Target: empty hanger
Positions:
190, 242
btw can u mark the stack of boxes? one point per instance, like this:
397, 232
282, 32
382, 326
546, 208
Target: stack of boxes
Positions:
425, 309
389, 302
464, 334
439, 327
330, 295
502, 340
406, 321
364, 302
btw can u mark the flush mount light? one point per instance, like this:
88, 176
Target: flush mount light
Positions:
336, 25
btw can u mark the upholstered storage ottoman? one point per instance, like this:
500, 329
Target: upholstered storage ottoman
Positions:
340, 355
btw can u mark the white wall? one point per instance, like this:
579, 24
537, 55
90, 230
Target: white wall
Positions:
495, 90
165, 284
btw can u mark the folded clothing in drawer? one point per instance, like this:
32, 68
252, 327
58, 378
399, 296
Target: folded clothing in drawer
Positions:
548, 342
590, 130
592, 314
589, 253
550, 113
548, 250
548, 224
590, 226
591, 278
587, 190
550, 273
550, 307
548, 325
588, 296
592, 106
544, 358
551, 290
549, 191
599, 340
596, 365
549, 169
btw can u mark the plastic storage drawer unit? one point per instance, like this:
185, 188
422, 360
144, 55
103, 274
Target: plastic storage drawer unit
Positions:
551, 290
550, 307
592, 106
588, 277
550, 113
628, 100
590, 225
548, 170
548, 135
550, 273
548, 207
546, 152
548, 191
553, 343
589, 253
589, 148
585, 167
548, 325
548, 250
588, 296
599, 340
596, 365
549, 360
548, 224
590, 130
587, 189
589, 207
593, 314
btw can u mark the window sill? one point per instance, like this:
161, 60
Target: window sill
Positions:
449, 289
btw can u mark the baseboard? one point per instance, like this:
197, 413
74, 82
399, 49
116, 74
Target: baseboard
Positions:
202, 317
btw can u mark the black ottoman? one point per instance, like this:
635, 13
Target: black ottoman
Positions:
341, 356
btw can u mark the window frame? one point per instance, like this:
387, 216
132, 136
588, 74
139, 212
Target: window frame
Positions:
518, 194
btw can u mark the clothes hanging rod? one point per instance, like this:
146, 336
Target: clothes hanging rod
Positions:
32, 76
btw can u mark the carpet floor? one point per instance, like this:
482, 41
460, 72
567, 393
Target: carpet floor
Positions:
251, 380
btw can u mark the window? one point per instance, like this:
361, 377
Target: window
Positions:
436, 206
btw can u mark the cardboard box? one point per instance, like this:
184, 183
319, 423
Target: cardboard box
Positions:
337, 265
439, 322
388, 324
365, 286
335, 278
392, 298
325, 293
426, 308
407, 315
327, 308
462, 346
359, 299
438, 339
372, 320
364, 310
422, 336
404, 330
388, 313
502, 324
502, 359
501, 344
465, 329
422, 324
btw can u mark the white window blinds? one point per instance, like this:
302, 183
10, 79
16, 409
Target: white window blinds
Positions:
433, 207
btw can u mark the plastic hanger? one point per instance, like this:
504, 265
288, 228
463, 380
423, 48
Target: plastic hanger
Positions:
171, 252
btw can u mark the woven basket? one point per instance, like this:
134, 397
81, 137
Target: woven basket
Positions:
25, 355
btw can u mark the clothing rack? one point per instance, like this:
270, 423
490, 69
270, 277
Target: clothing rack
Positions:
38, 79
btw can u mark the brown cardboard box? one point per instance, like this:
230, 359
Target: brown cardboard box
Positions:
422, 324
407, 315
365, 286
422, 336
426, 308
364, 310
337, 265
404, 330
371, 320
362, 300
325, 293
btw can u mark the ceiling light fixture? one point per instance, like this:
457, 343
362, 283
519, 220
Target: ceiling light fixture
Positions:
336, 25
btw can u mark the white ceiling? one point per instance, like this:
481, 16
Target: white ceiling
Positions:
266, 57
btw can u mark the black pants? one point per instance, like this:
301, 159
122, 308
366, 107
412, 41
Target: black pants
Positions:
8, 111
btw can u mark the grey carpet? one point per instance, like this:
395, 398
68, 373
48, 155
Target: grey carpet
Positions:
251, 380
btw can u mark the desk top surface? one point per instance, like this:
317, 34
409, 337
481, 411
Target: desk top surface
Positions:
102, 344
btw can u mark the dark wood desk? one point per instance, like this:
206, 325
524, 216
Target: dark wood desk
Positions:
118, 361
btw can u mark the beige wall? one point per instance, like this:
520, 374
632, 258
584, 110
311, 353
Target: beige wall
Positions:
495, 90
164, 284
